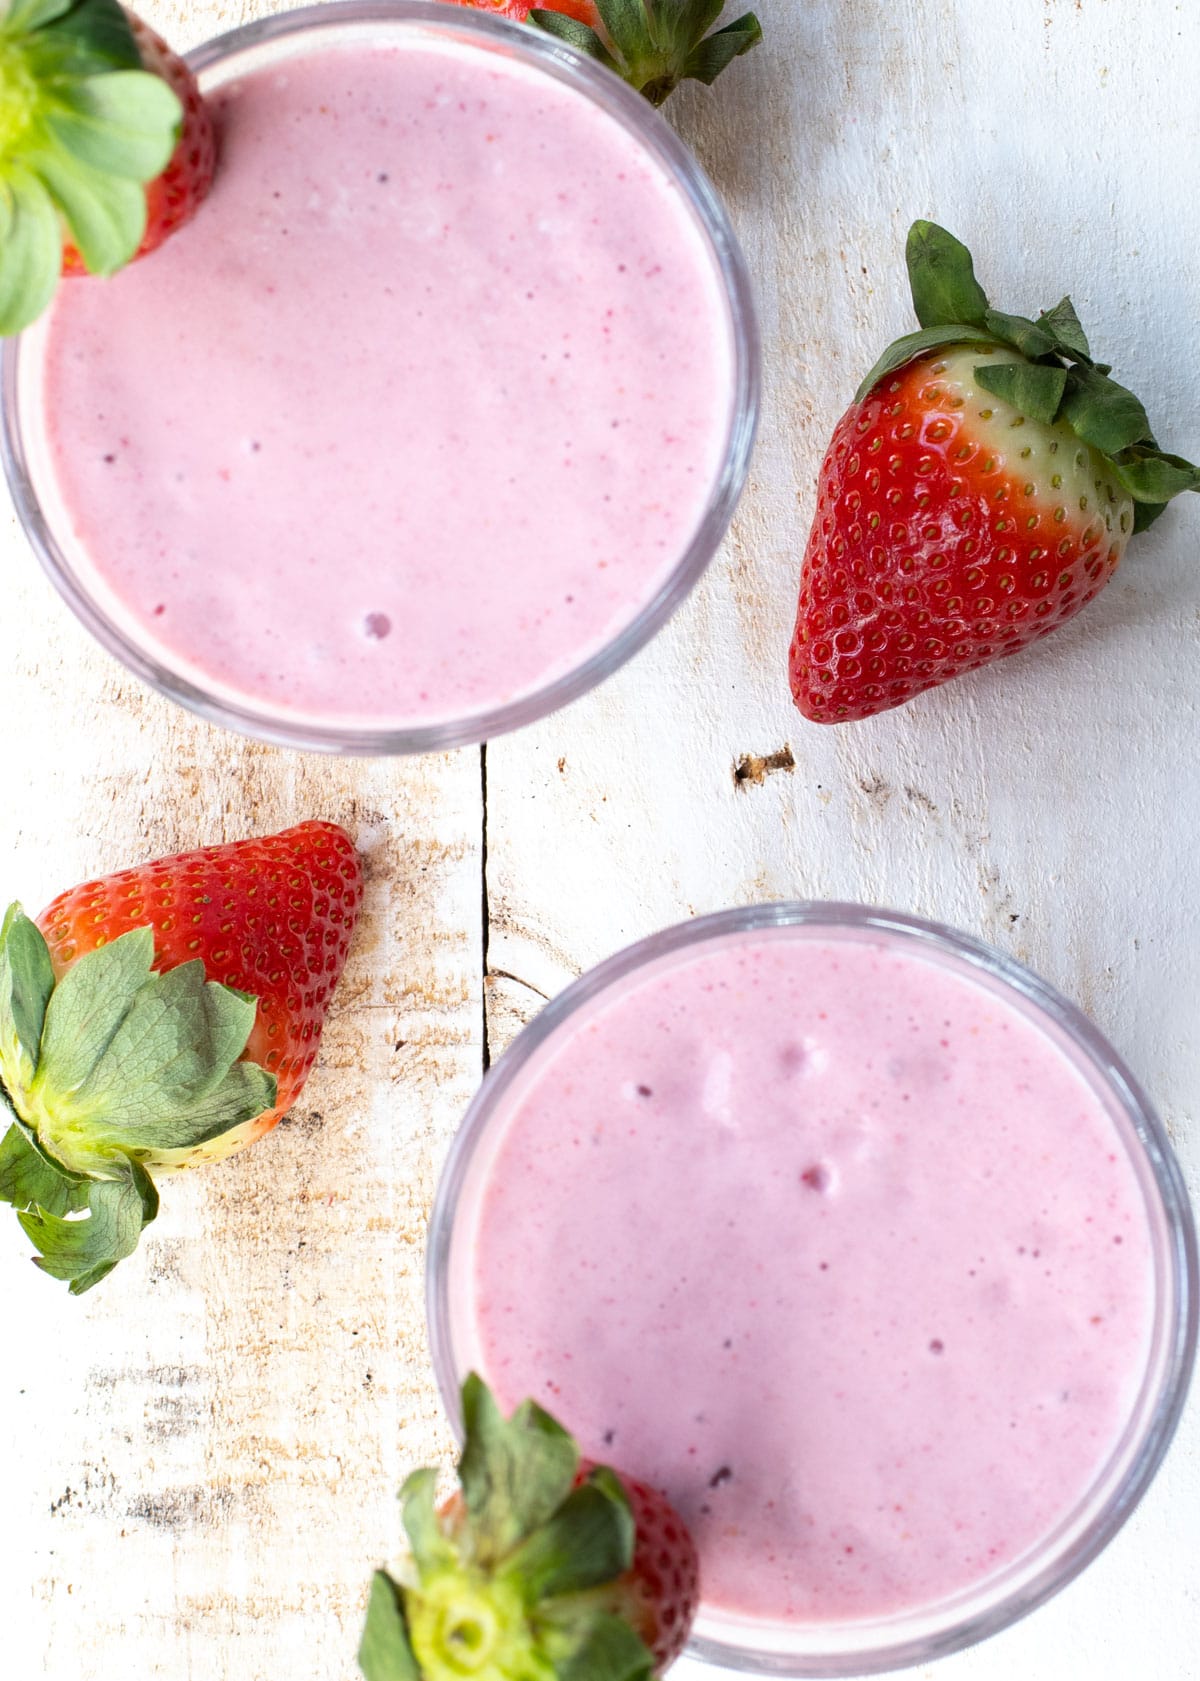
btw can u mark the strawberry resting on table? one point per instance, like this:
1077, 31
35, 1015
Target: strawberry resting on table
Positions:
978, 492
542, 1567
165, 1015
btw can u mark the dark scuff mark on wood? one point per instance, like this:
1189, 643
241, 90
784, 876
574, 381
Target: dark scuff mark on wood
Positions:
753, 770
189, 1507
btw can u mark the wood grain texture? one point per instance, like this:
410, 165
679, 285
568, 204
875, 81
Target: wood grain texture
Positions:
204, 1453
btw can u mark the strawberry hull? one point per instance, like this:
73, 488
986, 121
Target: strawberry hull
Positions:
540, 1566
947, 535
155, 1018
271, 917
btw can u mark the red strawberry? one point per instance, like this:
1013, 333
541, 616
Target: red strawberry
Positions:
173, 197
653, 44
542, 1566
105, 146
163, 1015
660, 1592
978, 492
583, 11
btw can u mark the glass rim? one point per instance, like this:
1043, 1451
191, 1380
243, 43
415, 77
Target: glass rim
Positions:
1059, 1557
644, 124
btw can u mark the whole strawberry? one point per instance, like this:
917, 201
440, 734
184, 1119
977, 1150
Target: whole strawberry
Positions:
164, 1015
543, 1568
979, 491
653, 44
105, 146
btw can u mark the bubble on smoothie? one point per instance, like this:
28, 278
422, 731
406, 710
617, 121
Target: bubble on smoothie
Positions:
376, 626
803, 1056
820, 1177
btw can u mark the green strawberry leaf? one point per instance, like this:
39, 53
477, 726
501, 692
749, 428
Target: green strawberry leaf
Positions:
628, 28
1145, 514
514, 1472
175, 1042
695, 19
83, 1251
655, 44
941, 273
1065, 328
1103, 413
1157, 478
906, 349
28, 1180
26, 982
385, 1653
23, 16
418, 1500
710, 57
91, 32
89, 1004
588, 1645
107, 216
1021, 333
245, 1091
121, 124
575, 34
30, 249
1035, 391
130, 1061
589, 1540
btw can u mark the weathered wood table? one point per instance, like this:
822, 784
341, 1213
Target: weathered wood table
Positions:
201, 1457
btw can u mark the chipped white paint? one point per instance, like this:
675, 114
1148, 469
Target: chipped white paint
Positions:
203, 1454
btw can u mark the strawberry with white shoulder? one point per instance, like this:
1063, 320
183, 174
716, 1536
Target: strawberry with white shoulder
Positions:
981, 488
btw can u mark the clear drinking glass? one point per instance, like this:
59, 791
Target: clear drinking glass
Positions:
930, 1631
258, 43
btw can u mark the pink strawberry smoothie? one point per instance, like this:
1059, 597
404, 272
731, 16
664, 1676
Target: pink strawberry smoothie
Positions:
420, 411
832, 1241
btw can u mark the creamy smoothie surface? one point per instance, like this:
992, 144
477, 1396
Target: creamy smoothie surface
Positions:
421, 409
832, 1243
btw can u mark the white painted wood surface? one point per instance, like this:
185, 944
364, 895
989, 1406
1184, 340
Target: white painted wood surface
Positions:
203, 1454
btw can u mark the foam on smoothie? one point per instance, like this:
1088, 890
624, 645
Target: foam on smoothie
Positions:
417, 414
836, 1245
